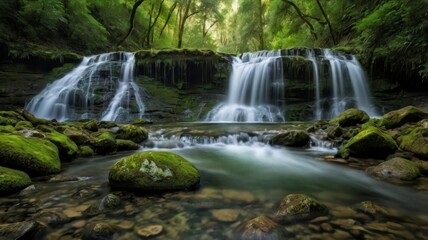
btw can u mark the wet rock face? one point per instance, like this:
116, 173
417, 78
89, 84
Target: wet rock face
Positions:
396, 168
298, 207
152, 170
261, 227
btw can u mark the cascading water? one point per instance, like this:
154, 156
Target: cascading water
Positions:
100, 84
255, 91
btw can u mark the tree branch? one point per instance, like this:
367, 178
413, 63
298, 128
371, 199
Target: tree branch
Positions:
301, 15
328, 22
131, 21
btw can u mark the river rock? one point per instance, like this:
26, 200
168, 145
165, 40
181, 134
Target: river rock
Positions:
134, 133
351, 117
295, 138
21, 230
401, 116
105, 143
34, 156
51, 217
21, 125
110, 201
86, 152
126, 145
261, 227
372, 209
80, 137
371, 142
417, 140
91, 125
149, 231
297, 207
225, 215
154, 170
98, 231
67, 148
398, 168
12, 180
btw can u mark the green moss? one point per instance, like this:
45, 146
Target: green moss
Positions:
23, 125
105, 143
399, 117
370, 142
351, 117
153, 170
91, 125
7, 129
11, 115
86, 151
126, 145
134, 133
416, 141
32, 155
12, 180
66, 147
7, 121
79, 136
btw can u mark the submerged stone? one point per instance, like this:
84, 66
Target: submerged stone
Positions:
371, 142
34, 156
152, 170
12, 180
22, 230
398, 168
298, 207
404, 115
261, 227
351, 117
98, 230
295, 138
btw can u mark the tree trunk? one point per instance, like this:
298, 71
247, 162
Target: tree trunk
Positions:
328, 22
131, 21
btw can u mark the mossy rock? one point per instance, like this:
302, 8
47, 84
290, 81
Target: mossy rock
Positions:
107, 124
7, 121
396, 168
66, 147
417, 140
80, 137
154, 171
351, 117
295, 138
12, 115
23, 125
298, 207
34, 120
134, 133
7, 129
141, 122
85, 152
91, 125
126, 145
12, 180
400, 117
34, 156
371, 142
105, 143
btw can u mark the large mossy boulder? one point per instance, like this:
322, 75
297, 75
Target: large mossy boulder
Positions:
294, 138
261, 227
67, 148
298, 207
34, 156
154, 171
105, 143
395, 168
12, 180
351, 117
10, 118
126, 145
417, 140
79, 136
134, 133
404, 115
371, 142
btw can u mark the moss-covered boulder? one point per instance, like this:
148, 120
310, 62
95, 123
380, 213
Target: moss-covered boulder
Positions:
79, 136
85, 152
105, 143
371, 142
7, 129
153, 171
10, 118
12, 180
417, 140
134, 133
34, 120
400, 117
67, 148
34, 156
261, 227
351, 117
295, 138
23, 125
298, 207
396, 168
126, 145
91, 125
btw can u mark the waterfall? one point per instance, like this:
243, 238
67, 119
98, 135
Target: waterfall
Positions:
256, 90
102, 86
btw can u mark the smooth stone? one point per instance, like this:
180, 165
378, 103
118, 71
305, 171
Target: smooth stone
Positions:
126, 225
240, 196
297, 207
326, 227
150, 231
96, 231
261, 227
225, 215
79, 224
21, 230
51, 217
344, 223
343, 212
